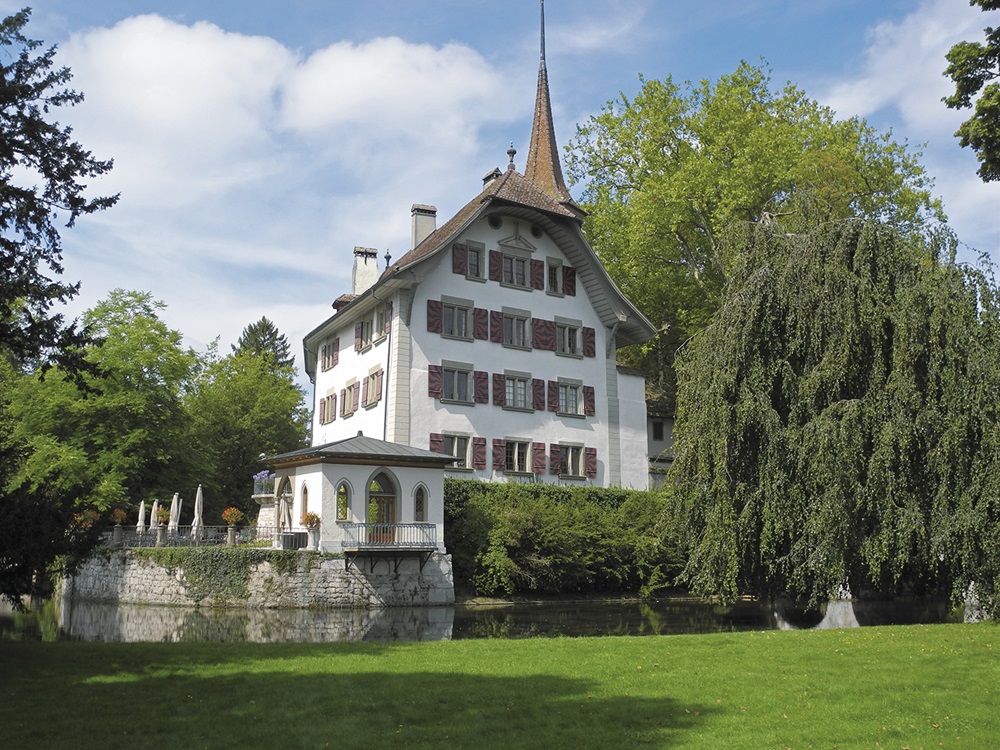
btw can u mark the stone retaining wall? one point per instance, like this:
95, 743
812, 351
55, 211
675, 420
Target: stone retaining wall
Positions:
317, 581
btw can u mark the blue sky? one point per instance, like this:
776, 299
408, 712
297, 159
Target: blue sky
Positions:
256, 143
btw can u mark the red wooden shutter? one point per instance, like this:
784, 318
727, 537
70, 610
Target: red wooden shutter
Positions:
538, 458
496, 265
555, 457
459, 259
499, 389
537, 274
378, 385
553, 395
591, 461
538, 394
589, 342
434, 381
478, 453
331, 411
589, 407
358, 330
499, 454
336, 350
481, 387
481, 324
357, 394
437, 442
434, 315
569, 281
543, 334
364, 392
388, 319
322, 411
343, 401
496, 327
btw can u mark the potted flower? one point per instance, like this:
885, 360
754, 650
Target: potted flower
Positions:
119, 516
232, 516
163, 515
311, 521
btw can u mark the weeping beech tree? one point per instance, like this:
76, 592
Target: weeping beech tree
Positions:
837, 421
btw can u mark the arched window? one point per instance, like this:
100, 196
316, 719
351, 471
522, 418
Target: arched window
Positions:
305, 499
420, 505
381, 509
343, 502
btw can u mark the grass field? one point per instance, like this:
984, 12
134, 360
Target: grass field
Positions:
929, 686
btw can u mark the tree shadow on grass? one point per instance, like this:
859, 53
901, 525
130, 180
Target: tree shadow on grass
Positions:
367, 710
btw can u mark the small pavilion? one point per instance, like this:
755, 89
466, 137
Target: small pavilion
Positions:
374, 498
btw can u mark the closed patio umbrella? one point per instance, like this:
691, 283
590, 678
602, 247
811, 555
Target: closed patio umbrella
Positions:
141, 525
197, 524
285, 512
154, 521
175, 513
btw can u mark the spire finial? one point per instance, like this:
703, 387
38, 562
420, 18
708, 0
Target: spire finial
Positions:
511, 152
543, 32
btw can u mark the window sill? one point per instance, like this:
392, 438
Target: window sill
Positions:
509, 285
519, 347
554, 293
454, 337
525, 409
572, 477
460, 469
456, 402
480, 279
571, 415
569, 355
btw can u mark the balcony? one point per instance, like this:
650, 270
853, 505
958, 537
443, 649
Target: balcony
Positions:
398, 536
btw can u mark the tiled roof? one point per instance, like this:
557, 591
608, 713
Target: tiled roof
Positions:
511, 187
359, 448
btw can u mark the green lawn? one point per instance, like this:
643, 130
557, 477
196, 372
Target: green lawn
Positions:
926, 686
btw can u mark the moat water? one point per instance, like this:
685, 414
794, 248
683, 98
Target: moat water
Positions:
55, 620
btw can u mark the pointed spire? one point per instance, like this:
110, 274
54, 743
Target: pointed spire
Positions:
543, 167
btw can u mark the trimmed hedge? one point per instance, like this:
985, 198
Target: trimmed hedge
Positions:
514, 538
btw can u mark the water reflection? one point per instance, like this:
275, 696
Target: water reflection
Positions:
55, 620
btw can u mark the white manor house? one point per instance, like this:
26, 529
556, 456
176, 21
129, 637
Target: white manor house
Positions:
493, 340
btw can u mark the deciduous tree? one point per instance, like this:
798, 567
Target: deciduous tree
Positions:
837, 422
242, 407
668, 171
974, 68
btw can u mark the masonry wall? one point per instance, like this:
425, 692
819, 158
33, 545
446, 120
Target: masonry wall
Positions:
316, 581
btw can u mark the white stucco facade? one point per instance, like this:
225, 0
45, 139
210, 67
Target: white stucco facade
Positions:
493, 339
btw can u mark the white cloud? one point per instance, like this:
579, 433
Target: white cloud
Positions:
612, 27
248, 173
901, 81
904, 64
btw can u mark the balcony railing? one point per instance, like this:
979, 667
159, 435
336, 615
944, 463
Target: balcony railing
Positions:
183, 536
389, 535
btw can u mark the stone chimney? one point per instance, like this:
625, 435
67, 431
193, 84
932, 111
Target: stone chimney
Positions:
365, 272
424, 222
